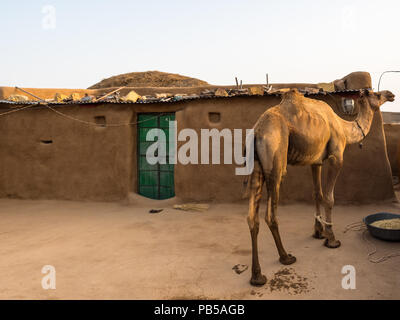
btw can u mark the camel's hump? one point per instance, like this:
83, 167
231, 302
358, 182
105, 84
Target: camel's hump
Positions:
292, 95
295, 105
294, 101
297, 100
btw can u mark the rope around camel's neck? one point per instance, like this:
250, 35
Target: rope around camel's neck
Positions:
357, 130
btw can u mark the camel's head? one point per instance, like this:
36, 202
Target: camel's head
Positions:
376, 99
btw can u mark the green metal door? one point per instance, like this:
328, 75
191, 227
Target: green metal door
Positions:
155, 181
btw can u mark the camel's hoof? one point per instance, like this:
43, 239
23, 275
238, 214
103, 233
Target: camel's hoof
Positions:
258, 281
318, 235
332, 244
287, 260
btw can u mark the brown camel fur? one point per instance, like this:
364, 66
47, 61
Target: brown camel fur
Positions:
302, 131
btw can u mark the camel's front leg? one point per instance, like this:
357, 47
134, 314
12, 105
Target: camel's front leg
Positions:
335, 164
256, 183
318, 196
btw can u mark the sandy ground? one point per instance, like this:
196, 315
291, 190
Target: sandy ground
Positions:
120, 251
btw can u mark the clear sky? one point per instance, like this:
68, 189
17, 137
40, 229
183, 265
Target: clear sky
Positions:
74, 44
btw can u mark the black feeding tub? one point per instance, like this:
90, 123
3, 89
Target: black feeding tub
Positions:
383, 234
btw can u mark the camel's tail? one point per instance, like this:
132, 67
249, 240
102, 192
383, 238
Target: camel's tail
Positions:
247, 182
246, 187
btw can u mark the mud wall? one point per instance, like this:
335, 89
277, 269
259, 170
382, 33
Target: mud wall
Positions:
365, 177
46, 156
216, 182
392, 134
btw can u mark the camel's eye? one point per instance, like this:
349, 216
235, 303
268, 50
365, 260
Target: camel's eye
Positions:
378, 95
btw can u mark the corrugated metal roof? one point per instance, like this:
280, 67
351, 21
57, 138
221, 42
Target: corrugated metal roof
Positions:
334, 92
163, 100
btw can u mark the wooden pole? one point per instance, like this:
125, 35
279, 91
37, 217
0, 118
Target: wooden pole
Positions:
108, 94
31, 94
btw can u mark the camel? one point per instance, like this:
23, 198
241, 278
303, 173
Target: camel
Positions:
302, 131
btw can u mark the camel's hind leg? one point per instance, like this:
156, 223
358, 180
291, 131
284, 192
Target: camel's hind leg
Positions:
256, 184
273, 186
273, 159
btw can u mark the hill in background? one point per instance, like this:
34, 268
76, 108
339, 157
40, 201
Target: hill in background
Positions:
149, 79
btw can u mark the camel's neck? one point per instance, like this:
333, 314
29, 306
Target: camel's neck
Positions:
357, 130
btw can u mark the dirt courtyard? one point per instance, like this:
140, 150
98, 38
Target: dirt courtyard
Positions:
120, 251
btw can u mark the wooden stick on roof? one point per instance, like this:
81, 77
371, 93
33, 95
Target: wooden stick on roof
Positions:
31, 94
108, 94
